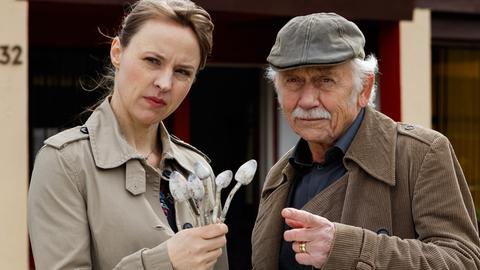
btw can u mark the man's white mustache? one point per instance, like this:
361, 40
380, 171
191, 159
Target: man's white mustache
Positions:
315, 113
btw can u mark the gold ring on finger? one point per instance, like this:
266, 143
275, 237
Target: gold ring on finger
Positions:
302, 247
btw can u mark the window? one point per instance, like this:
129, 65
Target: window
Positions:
456, 106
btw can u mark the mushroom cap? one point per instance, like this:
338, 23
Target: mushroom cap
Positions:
178, 187
195, 187
245, 173
201, 170
224, 178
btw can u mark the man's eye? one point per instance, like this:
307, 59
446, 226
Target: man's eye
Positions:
293, 80
324, 81
327, 80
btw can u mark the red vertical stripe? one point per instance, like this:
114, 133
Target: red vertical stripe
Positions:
389, 65
181, 121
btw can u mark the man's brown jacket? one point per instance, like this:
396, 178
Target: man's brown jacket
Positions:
403, 204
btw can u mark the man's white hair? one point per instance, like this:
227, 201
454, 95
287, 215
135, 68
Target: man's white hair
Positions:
361, 69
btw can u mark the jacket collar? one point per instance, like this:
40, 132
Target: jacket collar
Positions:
372, 149
281, 172
109, 147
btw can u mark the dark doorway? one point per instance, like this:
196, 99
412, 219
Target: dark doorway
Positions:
56, 98
224, 123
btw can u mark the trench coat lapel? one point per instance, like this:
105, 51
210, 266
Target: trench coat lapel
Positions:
110, 149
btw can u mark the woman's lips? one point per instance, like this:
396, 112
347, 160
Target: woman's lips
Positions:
155, 102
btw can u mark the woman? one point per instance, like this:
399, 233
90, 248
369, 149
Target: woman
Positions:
98, 197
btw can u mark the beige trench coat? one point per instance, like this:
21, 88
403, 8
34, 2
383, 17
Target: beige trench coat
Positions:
403, 204
94, 202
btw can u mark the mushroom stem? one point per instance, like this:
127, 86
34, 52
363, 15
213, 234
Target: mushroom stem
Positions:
221, 181
194, 209
216, 208
229, 200
203, 206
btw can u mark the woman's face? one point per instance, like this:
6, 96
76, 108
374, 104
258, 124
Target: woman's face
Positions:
154, 73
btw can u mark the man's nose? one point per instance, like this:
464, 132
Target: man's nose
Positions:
309, 97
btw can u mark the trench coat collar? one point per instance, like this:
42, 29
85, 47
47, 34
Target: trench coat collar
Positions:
109, 147
371, 149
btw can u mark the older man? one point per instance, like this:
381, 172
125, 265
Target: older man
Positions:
373, 193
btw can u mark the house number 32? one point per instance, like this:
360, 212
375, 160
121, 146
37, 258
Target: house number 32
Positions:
10, 55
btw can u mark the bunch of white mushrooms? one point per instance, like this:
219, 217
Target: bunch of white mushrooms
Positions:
194, 189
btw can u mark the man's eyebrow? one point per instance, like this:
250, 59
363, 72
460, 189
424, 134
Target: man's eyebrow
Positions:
325, 70
288, 73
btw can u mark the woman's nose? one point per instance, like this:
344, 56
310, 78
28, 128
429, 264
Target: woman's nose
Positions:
164, 80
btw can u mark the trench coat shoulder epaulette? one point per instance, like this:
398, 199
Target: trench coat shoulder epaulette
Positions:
420, 133
67, 136
178, 141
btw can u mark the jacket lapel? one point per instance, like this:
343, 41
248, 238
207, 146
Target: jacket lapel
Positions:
371, 212
329, 202
370, 161
270, 227
270, 224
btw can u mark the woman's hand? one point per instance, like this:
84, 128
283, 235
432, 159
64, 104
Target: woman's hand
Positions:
197, 248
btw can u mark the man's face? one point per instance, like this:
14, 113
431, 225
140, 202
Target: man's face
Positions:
319, 103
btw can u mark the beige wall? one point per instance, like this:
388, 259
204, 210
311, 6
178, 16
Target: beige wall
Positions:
13, 135
415, 69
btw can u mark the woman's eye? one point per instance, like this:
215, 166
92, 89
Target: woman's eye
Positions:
152, 60
184, 72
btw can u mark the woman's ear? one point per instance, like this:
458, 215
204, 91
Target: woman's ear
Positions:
364, 96
116, 52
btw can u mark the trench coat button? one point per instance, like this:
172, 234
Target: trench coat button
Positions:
187, 226
409, 127
383, 231
84, 130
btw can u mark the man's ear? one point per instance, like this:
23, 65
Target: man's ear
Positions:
366, 92
115, 52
